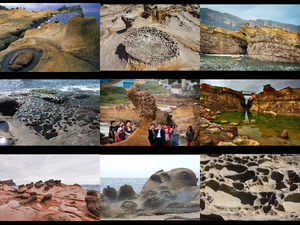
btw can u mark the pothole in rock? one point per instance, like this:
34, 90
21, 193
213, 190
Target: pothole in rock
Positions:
21, 60
150, 45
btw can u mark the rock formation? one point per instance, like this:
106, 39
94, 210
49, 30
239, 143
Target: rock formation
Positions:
55, 47
145, 104
8, 182
272, 44
8, 106
214, 134
285, 101
48, 201
160, 37
221, 98
217, 40
186, 115
150, 45
249, 187
171, 192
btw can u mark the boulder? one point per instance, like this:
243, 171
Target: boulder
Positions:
232, 129
110, 193
93, 205
284, 134
20, 59
46, 197
8, 106
92, 193
126, 192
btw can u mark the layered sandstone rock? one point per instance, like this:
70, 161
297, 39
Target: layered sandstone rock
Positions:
145, 104
164, 193
161, 37
249, 187
285, 101
57, 48
48, 201
272, 44
127, 112
221, 99
16, 21
186, 115
218, 40
8, 182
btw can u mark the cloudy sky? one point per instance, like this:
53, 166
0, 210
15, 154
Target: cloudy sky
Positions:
252, 84
70, 169
87, 7
281, 13
143, 166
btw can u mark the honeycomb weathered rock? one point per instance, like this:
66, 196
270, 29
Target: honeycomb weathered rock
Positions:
150, 45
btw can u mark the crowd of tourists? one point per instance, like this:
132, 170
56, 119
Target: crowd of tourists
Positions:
159, 134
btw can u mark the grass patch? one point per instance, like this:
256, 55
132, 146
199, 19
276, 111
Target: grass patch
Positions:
218, 87
44, 91
153, 89
96, 98
113, 95
202, 95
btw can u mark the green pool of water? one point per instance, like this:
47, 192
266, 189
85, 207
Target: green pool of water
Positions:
267, 129
226, 63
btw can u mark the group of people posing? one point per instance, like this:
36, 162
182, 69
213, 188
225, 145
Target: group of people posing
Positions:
158, 135
120, 132
167, 136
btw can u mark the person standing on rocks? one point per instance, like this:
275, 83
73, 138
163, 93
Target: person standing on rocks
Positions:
174, 136
112, 132
189, 135
151, 135
167, 134
159, 136
128, 130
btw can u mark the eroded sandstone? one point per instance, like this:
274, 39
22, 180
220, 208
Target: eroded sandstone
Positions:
249, 187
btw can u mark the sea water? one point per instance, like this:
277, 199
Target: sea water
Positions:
266, 129
136, 183
64, 17
90, 86
95, 187
216, 62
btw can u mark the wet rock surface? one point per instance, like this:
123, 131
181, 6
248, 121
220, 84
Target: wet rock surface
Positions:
53, 119
164, 193
249, 187
58, 202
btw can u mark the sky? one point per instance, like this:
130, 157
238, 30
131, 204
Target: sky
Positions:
143, 166
255, 85
87, 7
70, 169
281, 13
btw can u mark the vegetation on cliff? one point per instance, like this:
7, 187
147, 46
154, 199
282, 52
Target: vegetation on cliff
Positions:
71, 9
3, 8
115, 95
228, 21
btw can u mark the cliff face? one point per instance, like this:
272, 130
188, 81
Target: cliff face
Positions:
272, 44
219, 40
285, 101
221, 99
71, 9
186, 115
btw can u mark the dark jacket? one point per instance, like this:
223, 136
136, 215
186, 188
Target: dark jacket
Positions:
151, 138
162, 134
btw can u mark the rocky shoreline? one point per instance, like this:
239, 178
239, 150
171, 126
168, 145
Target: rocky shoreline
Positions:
48, 201
32, 118
171, 195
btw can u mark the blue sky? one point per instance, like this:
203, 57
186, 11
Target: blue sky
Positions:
87, 7
281, 13
252, 84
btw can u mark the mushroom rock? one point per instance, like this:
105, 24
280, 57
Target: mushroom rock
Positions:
128, 19
93, 204
284, 134
110, 193
172, 180
46, 197
272, 44
20, 60
145, 103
